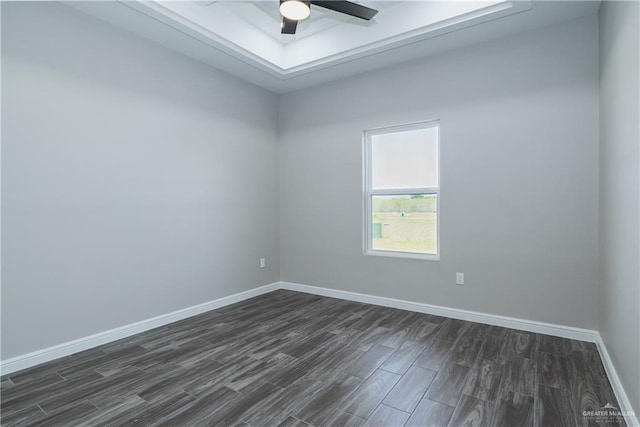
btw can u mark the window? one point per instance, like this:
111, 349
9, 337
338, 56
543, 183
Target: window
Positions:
402, 190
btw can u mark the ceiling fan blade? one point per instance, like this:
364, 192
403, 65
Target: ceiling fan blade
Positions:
350, 8
289, 26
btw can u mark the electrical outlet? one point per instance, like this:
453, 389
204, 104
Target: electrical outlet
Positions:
459, 278
263, 263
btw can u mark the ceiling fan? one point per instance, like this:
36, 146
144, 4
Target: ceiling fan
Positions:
293, 11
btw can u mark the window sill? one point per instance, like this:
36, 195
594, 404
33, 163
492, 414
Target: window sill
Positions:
410, 255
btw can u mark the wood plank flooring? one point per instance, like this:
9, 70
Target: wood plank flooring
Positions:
293, 359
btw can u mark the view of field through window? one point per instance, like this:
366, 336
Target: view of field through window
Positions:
405, 223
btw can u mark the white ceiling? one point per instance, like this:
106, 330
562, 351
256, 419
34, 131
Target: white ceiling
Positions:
243, 37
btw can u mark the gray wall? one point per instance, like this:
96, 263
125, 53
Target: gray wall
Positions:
519, 157
135, 181
620, 191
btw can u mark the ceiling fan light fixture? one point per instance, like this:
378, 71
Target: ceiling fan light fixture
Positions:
295, 10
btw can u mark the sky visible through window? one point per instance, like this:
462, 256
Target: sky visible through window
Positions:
405, 159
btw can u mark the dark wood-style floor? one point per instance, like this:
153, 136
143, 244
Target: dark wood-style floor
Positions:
293, 359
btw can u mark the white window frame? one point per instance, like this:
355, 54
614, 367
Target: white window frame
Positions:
368, 192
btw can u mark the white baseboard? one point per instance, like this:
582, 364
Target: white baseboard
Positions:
623, 400
455, 313
65, 349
